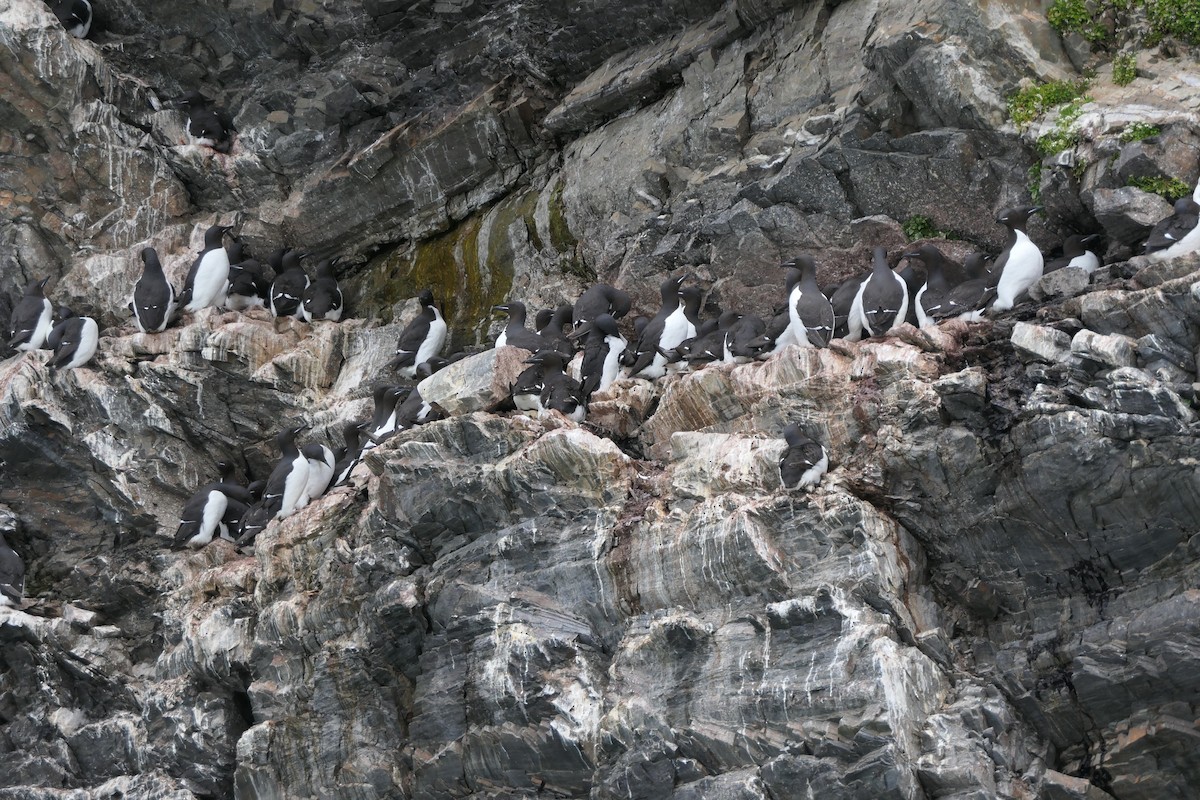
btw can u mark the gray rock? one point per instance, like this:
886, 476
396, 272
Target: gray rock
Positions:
1127, 214
1113, 350
1065, 282
475, 383
1040, 342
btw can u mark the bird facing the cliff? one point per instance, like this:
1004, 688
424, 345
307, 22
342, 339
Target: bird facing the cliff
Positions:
205, 124
1178, 233
804, 461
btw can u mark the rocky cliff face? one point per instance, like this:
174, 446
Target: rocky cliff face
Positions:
991, 595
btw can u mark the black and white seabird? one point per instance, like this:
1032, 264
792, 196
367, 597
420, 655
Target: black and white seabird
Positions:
602, 351
153, 295
1020, 263
75, 16
287, 290
286, 485
421, 339
803, 462
665, 331
931, 299
560, 392
809, 311
248, 286
1078, 251
205, 124
32, 318
526, 390
384, 418
12, 575
842, 300
323, 297
320, 471
708, 345
742, 339
968, 299
73, 339
553, 336
202, 516
596, 300
515, 334
349, 456
208, 279
881, 304
1178, 233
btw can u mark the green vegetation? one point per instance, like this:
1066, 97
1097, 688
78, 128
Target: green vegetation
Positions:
1137, 131
1028, 104
1097, 20
1067, 16
1035, 183
1124, 69
919, 226
1176, 18
1063, 136
1170, 189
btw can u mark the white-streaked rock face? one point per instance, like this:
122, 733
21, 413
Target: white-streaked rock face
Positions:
988, 595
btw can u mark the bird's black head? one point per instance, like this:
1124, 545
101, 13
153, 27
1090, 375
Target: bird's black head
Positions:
426, 298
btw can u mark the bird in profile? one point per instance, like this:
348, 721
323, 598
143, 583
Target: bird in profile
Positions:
32, 318
74, 340
515, 334
804, 461
422, 339
1178, 233
1020, 264
1078, 251
810, 313
202, 517
208, 279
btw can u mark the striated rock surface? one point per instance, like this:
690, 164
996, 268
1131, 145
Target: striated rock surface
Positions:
991, 594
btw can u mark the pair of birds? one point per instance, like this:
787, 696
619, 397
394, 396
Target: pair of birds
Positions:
226, 509
37, 325
221, 277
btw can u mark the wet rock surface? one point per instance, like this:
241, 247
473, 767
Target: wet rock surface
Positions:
991, 594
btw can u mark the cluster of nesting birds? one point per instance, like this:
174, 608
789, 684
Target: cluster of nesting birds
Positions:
576, 350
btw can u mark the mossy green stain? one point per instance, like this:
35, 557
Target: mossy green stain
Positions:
561, 238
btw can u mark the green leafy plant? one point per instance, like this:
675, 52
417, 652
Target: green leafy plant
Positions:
1176, 18
1035, 183
1067, 16
1028, 104
1170, 189
1064, 135
1136, 131
922, 227
1124, 69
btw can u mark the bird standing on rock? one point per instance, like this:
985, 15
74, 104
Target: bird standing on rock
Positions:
12, 575
665, 331
1178, 233
515, 334
208, 279
881, 303
32, 318
809, 310
1020, 263
804, 461
153, 295
74, 340
205, 124
422, 339
323, 297
287, 290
